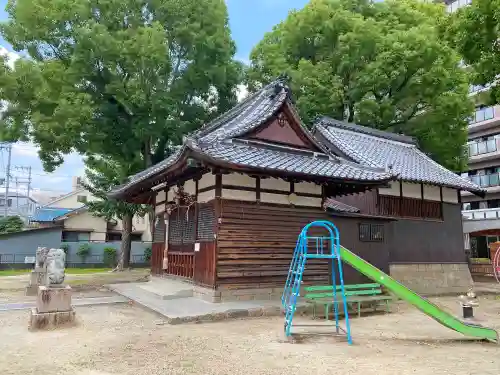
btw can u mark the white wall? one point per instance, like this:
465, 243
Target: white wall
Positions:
307, 187
71, 200
450, 195
237, 179
275, 184
393, 189
412, 190
432, 193
239, 195
207, 180
86, 222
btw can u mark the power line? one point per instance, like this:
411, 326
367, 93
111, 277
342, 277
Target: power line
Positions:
8, 147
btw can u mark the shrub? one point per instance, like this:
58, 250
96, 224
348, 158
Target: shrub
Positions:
83, 251
109, 256
147, 254
65, 248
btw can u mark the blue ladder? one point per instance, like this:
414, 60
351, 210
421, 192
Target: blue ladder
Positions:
302, 252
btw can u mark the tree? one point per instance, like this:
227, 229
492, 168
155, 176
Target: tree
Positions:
379, 64
475, 31
121, 80
102, 174
115, 77
11, 224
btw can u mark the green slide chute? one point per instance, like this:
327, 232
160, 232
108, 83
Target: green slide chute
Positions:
416, 300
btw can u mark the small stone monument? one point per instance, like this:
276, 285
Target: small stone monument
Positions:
38, 275
53, 303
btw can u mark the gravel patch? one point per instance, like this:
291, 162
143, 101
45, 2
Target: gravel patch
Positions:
125, 339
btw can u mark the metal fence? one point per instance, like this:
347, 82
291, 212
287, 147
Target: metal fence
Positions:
95, 259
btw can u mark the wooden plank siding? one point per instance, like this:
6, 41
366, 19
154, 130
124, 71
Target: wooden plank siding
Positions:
372, 203
157, 258
256, 243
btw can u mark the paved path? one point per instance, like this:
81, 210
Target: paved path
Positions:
74, 302
189, 309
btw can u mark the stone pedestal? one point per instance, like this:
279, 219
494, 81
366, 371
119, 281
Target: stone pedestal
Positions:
53, 308
37, 277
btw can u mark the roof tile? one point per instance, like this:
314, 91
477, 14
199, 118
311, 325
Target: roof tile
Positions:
386, 150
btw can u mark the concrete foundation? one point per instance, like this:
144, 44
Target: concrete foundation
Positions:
257, 294
37, 277
53, 299
433, 278
53, 308
50, 320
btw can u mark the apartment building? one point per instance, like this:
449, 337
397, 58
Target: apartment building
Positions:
18, 204
481, 216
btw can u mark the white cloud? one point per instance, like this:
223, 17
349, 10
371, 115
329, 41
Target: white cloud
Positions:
244, 60
11, 56
25, 149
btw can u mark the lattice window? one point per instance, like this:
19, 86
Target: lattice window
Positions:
175, 228
364, 232
371, 232
189, 234
159, 231
377, 232
409, 207
206, 222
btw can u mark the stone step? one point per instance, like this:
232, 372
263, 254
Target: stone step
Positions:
166, 290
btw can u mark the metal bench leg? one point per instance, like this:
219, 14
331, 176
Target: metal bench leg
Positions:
314, 311
327, 311
388, 307
359, 309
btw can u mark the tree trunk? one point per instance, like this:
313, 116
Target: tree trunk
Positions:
126, 243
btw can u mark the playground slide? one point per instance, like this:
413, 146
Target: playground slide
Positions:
419, 302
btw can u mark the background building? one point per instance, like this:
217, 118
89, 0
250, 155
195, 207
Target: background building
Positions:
481, 215
18, 204
79, 225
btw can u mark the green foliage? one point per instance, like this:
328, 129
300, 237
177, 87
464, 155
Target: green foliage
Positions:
83, 251
475, 30
118, 78
65, 248
11, 224
119, 81
379, 64
109, 256
147, 254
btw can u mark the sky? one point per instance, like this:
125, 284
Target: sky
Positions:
249, 21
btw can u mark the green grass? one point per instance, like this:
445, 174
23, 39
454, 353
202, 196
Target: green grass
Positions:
13, 272
70, 271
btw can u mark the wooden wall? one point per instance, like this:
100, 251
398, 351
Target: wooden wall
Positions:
429, 241
256, 242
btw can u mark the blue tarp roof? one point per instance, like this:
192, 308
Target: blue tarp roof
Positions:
46, 214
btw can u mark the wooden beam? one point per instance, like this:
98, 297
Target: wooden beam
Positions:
257, 189
218, 185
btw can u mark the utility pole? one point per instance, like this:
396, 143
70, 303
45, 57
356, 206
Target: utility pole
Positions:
24, 181
17, 195
8, 147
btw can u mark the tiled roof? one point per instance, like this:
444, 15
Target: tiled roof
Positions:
289, 160
386, 150
246, 115
334, 205
215, 141
48, 214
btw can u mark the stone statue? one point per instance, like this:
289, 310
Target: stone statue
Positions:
56, 259
41, 257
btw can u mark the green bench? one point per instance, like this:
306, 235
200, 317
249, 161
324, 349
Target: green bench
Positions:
356, 294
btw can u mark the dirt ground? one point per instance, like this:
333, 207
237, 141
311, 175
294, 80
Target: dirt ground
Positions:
125, 339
